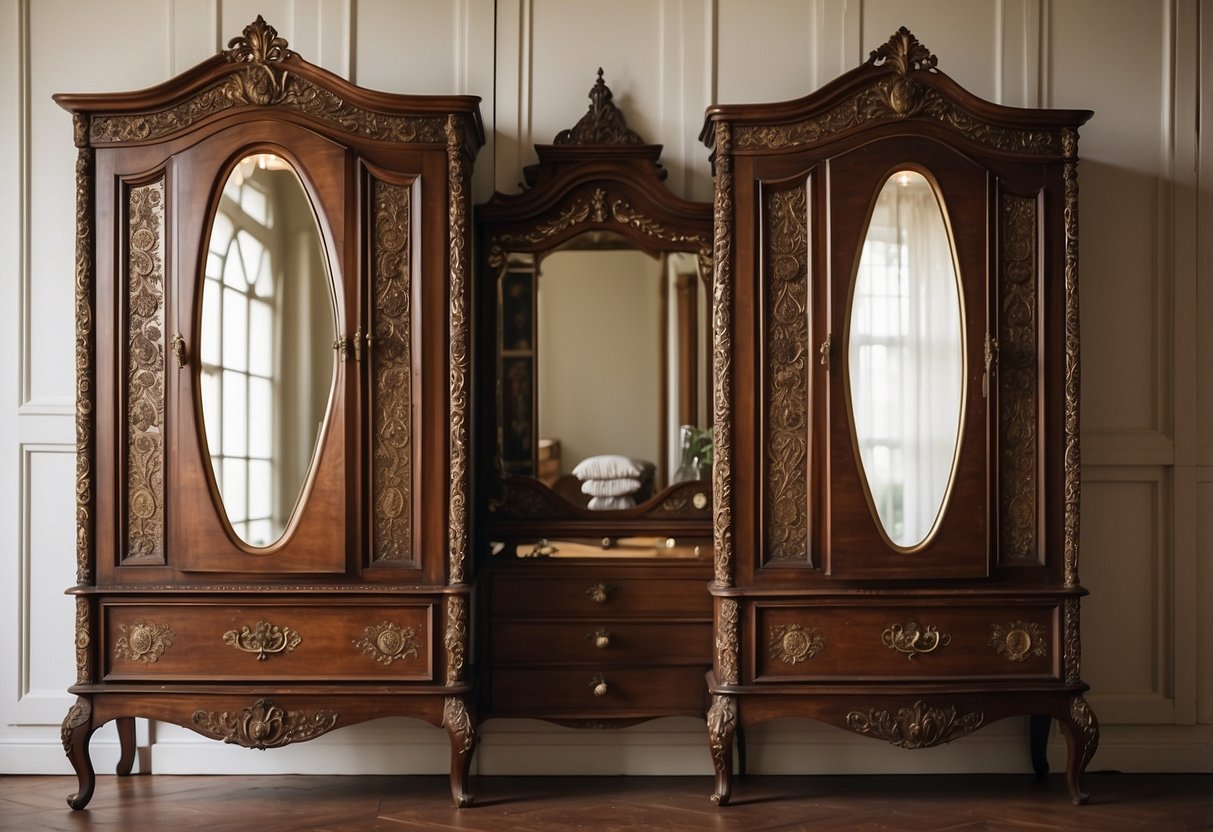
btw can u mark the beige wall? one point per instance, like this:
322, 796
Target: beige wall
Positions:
1147, 532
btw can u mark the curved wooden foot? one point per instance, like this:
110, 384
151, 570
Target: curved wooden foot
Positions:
76, 732
1038, 739
126, 745
1081, 730
462, 732
722, 725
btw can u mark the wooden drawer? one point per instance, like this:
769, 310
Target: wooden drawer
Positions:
601, 642
557, 692
369, 640
905, 641
596, 596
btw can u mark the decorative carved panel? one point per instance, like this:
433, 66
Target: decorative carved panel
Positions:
787, 368
145, 372
457, 171
917, 726
391, 360
264, 725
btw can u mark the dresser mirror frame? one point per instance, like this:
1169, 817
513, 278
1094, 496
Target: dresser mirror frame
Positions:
598, 185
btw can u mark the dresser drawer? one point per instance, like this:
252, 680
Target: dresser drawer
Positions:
601, 641
597, 692
596, 596
258, 642
905, 641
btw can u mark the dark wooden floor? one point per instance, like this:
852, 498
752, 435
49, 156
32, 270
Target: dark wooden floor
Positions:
1157, 803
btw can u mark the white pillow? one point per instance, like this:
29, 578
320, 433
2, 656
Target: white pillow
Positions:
608, 503
610, 467
610, 488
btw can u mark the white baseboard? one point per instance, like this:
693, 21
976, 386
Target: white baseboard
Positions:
47, 757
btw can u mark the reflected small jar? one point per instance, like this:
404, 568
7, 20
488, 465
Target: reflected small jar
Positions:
689, 467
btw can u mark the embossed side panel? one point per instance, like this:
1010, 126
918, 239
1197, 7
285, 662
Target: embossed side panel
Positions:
1018, 448
787, 375
145, 373
391, 365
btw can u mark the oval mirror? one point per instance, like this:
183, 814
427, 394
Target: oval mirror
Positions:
905, 355
266, 359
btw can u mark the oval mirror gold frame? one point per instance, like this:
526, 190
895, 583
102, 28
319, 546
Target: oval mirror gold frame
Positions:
267, 368
905, 360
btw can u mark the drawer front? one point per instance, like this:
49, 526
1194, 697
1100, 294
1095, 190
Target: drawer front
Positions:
256, 642
601, 641
597, 692
597, 596
910, 641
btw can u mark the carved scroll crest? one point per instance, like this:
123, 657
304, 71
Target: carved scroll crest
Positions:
264, 725
603, 123
915, 727
264, 82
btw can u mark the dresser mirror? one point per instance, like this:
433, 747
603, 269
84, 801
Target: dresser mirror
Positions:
266, 364
596, 290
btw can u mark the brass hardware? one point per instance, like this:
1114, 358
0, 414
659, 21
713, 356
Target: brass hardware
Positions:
600, 592
991, 361
263, 639
699, 500
792, 644
358, 344
601, 638
143, 642
178, 344
917, 726
342, 346
913, 639
1018, 640
388, 642
824, 350
264, 725
599, 685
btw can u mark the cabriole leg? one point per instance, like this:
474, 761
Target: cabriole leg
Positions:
126, 745
462, 732
1038, 739
76, 732
1081, 730
722, 725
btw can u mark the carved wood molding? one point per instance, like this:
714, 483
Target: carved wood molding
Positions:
145, 372
722, 723
727, 642
78, 715
917, 726
460, 340
787, 368
391, 360
1072, 458
602, 124
722, 359
264, 725
1087, 726
1072, 641
455, 638
458, 723
84, 639
85, 381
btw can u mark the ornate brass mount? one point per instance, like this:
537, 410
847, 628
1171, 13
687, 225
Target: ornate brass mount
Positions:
263, 639
143, 641
264, 725
792, 644
915, 727
601, 638
388, 642
1018, 640
599, 685
912, 639
179, 351
599, 593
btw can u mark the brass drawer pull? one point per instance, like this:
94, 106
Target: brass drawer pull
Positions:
913, 639
600, 592
599, 685
600, 637
263, 639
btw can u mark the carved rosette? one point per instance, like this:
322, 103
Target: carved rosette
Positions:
1017, 382
722, 358
84, 639
458, 723
455, 638
386, 642
722, 723
457, 176
79, 714
727, 641
792, 644
787, 521
143, 642
264, 725
145, 373
915, 727
1072, 459
1018, 640
84, 351
602, 124
264, 639
391, 360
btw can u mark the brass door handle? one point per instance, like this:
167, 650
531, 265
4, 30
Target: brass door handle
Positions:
600, 637
599, 685
178, 346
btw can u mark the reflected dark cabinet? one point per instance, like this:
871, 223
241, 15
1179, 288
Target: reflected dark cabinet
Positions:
593, 540
273, 354
896, 376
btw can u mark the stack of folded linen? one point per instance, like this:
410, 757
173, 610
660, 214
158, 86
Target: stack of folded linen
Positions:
612, 481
